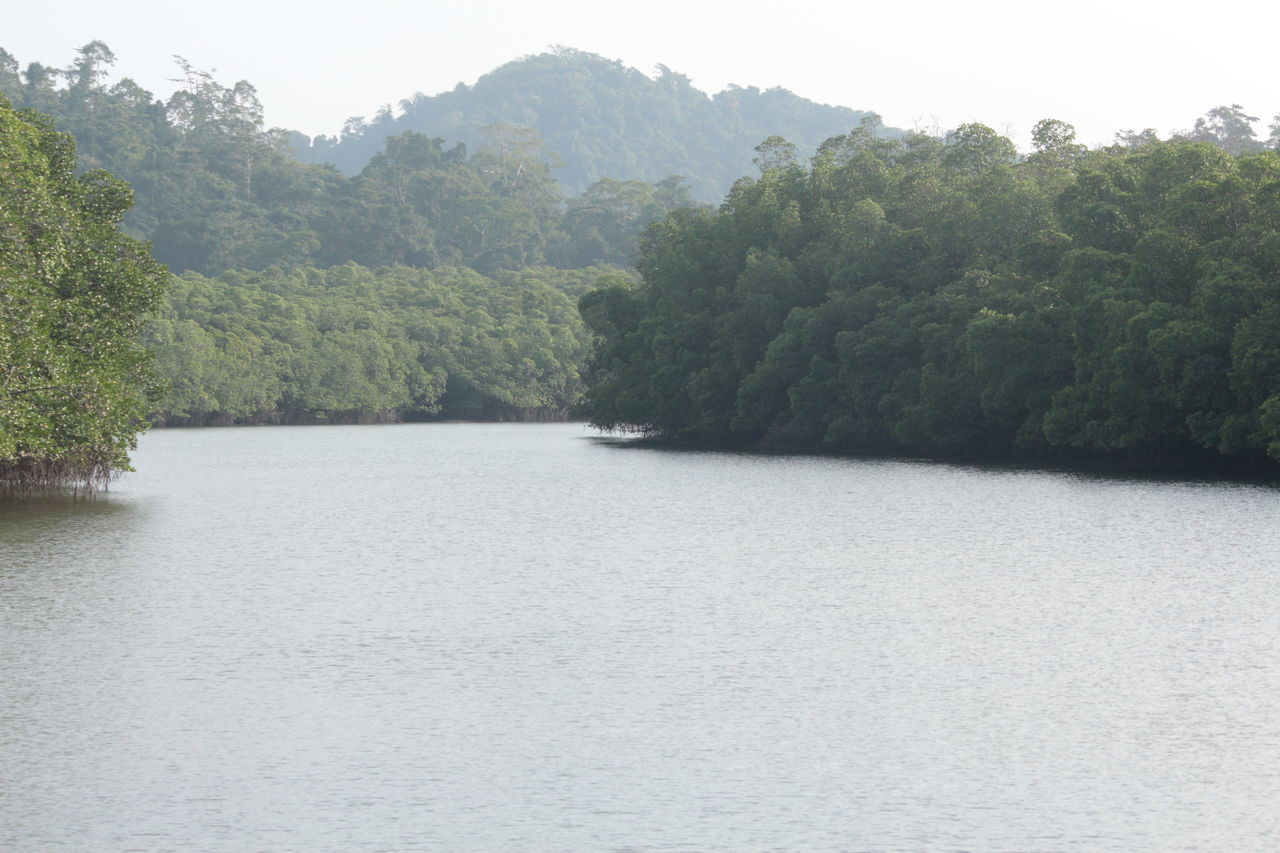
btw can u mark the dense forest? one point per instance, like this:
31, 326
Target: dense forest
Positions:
878, 291
74, 295
217, 190
950, 297
352, 344
603, 119
485, 252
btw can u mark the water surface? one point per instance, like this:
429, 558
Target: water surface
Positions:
519, 637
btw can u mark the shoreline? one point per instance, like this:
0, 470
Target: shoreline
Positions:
1244, 471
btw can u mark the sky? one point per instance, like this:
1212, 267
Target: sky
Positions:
1101, 66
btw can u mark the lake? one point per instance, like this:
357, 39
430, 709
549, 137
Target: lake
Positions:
489, 637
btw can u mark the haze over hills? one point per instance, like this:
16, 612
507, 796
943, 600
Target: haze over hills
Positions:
603, 120
557, 159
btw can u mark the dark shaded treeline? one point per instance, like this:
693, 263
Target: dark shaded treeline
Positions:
215, 189
915, 295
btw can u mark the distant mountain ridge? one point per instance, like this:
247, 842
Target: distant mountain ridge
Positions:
603, 120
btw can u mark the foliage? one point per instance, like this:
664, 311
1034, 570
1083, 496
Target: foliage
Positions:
910, 296
890, 293
352, 343
74, 293
217, 190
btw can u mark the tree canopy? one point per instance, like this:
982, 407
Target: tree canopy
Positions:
945, 297
870, 290
352, 344
74, 295
216, 189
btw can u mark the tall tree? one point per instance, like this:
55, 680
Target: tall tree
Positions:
1228, 127
74, 295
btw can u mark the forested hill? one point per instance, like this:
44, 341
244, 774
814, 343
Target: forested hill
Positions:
216, 189
437, 283
604, 120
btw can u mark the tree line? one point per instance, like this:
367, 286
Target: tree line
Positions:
215, 189
946, 296
354, 344
890, 293
93, 348
486, 238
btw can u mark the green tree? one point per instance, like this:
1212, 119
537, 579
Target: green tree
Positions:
976, 148
1228, 127
900, 295
74, 294
603, 225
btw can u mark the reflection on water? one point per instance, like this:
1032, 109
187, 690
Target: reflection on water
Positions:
41, 516
497, 637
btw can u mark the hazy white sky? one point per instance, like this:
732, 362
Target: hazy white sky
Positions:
1103, 66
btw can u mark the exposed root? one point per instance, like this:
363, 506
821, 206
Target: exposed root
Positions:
29, 477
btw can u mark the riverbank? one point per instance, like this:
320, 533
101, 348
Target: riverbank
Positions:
1206, 467
496, 414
